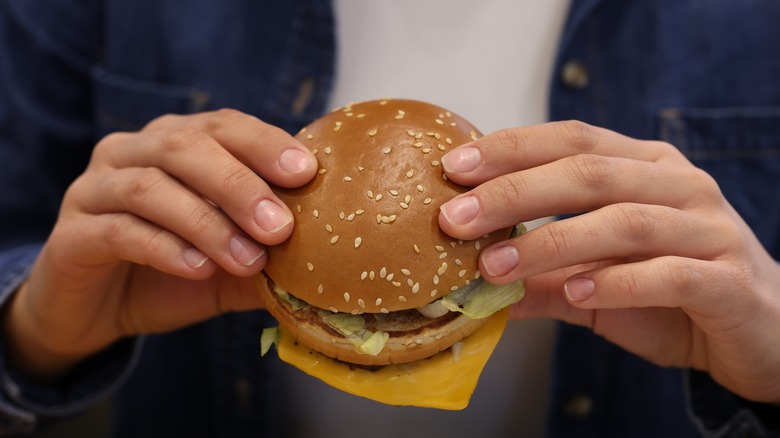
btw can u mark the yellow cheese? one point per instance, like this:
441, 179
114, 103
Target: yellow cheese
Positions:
439, 382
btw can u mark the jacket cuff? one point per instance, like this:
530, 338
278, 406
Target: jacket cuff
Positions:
721, 413
25, 403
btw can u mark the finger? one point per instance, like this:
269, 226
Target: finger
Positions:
660, 282
200, 162
521, 148
129, 238
572, 185
617, 231
152, 194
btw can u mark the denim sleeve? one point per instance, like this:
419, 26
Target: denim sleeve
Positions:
722, 414
25, 404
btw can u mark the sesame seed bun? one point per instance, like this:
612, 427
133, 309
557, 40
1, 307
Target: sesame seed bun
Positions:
366, 237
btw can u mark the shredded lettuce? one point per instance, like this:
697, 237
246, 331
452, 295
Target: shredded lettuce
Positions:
270, 336
485, 299
352, 327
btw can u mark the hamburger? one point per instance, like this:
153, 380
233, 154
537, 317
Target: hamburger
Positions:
368, 291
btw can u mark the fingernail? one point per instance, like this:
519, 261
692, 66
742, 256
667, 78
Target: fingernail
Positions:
579, 289
244, 251
460, 211
271, 217
295, 161
461, 160
194, 258
500, 261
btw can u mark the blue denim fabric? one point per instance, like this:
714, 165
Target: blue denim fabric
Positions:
701, 74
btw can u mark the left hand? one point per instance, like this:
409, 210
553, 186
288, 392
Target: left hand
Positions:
659, 262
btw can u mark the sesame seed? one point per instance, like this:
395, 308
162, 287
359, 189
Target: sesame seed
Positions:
408, 198
435, 279
347, 178
449, 114
397, 283
387, 150
444, 176
410, 132
473, 134
442, 255
333, 309
439, 248
383, 272
416, 288
378, 197
430, 134
342, 215
322, 171
426, 150
370, 194
298, 208
329, 228
434, 292
378, 218
404, 205
453, 288
346, 296
378, 302
440, 121
406, 271
361, 303
320, 289
418, 144
392, 218
461, 273
448, 140
355, 312
441, 147
328, 150
410, 173
477, 245
416, 249
420, 188
316, 213
435, 163
390, 277
409, 282
334, 239
361, 168
383, 310
442, 269
360, 116
427, 201
363, 275
393, 192
453, 124
371, 275
337, 127
372, 133
359, 212
358, 241
458, 262
351, 217
477, 275
437, 136
452, 244
310, 267
401, 298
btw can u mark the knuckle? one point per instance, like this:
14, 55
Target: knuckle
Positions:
102, 150
179, 140
682, 276
635, 222
511, 140
201, 220
555, 243
506, 190
630, 285
238, 180
578, 135
593, 172
142, 184
163, 121
221, 118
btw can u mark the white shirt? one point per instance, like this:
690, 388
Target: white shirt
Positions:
490, 62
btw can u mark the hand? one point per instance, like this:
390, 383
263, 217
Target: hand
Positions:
164, 228
658, 263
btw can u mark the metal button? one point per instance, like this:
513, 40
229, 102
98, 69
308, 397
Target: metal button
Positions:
579, 406
574, 75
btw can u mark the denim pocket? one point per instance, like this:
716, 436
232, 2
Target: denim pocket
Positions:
127, 104
722, 133
740, 148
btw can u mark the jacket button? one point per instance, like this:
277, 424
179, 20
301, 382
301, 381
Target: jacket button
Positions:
574, 75
579, 406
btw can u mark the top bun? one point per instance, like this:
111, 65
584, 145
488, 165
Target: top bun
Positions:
366, 236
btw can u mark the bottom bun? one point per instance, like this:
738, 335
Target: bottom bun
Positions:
412, 336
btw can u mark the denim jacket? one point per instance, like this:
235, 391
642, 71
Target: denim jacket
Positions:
701, 74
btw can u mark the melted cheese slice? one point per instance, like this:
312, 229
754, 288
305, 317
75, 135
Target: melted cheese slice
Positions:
439, 382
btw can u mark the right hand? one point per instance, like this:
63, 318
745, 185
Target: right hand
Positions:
165, 228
